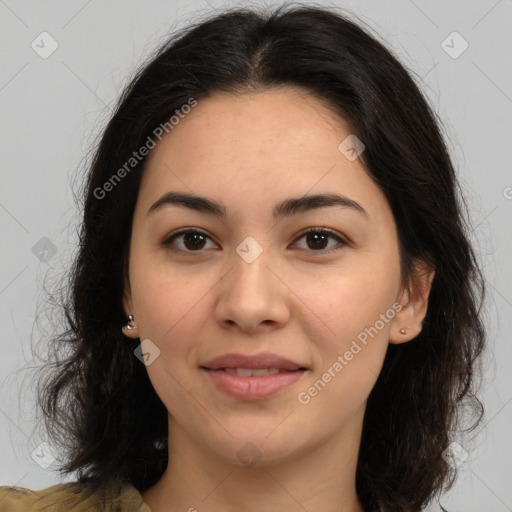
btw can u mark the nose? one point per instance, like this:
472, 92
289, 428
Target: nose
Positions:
253, 297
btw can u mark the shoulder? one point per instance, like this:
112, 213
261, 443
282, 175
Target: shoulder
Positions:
70, 497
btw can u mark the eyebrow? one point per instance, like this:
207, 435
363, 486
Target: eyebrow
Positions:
283, 209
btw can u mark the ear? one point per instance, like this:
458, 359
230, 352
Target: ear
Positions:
128, 306
413, 300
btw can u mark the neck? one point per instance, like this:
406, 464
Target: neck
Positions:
321, 478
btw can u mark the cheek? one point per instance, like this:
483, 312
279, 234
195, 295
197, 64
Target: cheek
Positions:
353, 304
167, 299
350, 353
171, 311
357, 308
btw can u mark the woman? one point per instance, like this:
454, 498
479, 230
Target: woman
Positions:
275, 304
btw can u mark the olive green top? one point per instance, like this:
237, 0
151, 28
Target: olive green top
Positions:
70, 497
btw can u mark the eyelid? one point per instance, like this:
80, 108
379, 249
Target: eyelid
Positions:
323, 230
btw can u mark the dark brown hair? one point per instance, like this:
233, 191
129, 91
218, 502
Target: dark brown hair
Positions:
98, 402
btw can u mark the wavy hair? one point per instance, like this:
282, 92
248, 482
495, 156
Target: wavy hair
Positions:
97, 400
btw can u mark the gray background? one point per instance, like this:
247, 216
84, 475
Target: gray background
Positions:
53, 109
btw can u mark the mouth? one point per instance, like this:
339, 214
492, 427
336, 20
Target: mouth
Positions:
257, 377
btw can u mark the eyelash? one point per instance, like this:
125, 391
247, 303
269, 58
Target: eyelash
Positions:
319, 230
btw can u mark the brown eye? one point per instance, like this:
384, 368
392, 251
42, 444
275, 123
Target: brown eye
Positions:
187, 241
317, 240
194, 240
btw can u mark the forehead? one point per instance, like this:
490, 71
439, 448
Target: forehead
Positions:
283, 123
265, 145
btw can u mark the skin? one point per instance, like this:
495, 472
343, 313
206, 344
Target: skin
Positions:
251, 151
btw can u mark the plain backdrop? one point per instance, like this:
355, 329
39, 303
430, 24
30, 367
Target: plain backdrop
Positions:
54, 106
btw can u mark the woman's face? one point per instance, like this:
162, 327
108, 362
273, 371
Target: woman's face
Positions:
245, 279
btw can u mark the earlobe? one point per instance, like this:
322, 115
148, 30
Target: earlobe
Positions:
130, 329
403, 327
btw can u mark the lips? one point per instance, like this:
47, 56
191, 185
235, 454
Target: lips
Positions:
252, 377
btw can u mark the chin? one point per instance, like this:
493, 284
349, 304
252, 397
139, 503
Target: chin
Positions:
257, 449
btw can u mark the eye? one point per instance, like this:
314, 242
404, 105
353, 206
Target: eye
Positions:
191, 240
316, 239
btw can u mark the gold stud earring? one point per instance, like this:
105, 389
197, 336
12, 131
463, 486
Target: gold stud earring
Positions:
129, 327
